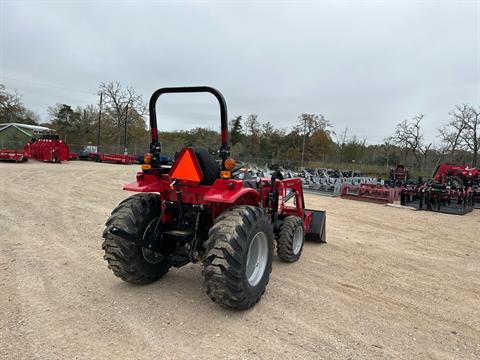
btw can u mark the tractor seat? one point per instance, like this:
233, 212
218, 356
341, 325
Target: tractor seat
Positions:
208, 164
251, 182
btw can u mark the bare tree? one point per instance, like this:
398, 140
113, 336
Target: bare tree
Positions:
425, 151
451, 134
118, 101
342, 137
450, 140
121, 103
409, 136
462, 131
471, 134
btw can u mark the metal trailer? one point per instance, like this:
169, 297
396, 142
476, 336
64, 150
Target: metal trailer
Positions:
11, 155
115, 158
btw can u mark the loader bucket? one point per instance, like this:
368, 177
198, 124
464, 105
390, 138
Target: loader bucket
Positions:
316, 231
477, 198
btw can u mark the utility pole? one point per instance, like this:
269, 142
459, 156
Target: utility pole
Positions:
68, 122
99, 121
304, 133
84, 119
125, 151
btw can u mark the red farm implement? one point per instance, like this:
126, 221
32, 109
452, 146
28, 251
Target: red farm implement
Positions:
197, 211
439, 198
371, 193
454, 191
48, 148
12, 155
115, 158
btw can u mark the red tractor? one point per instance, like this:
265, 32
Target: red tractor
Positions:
456, 175
196, 211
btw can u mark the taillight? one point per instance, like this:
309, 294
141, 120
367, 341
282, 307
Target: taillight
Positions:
147, 158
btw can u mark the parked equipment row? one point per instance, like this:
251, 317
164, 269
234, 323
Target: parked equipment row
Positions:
453, 189
440, 198
49, 148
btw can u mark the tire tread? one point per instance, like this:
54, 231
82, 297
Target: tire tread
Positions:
131, 216
223, 270
285, 239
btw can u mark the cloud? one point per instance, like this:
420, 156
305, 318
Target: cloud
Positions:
363, 65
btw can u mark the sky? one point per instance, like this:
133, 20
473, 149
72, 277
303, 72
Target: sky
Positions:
365, 65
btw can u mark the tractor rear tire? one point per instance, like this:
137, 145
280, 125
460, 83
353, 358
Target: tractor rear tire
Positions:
128, 224
291, 239
455, 181
239, 256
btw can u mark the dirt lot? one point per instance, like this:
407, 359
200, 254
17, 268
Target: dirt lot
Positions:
391, 283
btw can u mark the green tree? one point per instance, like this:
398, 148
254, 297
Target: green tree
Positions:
12, 108
236, 130
86, 125
309, 123
63, 119
319, 146
205, 138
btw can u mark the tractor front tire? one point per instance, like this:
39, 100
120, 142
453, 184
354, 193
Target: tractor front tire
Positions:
239, 256
290, 239
127, 225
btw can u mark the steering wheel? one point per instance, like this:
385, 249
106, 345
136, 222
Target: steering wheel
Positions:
238, 165
237, 170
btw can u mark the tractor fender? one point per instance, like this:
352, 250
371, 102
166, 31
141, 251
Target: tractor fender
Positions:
230, 192
146, 183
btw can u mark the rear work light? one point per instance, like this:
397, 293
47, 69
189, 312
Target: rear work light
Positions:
229, 164
225, 174
147, 158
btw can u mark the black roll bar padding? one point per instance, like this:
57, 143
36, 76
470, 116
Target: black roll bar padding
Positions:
155, 144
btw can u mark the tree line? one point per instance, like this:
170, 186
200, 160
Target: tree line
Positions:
311, 141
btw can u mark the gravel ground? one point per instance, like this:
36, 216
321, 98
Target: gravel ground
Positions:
390, 283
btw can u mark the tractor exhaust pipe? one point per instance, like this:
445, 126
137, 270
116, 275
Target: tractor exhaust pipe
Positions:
155, 146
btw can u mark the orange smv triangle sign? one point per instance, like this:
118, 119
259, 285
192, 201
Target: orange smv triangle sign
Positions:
186, 167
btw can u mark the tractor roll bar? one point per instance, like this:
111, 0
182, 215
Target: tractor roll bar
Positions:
155, 145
